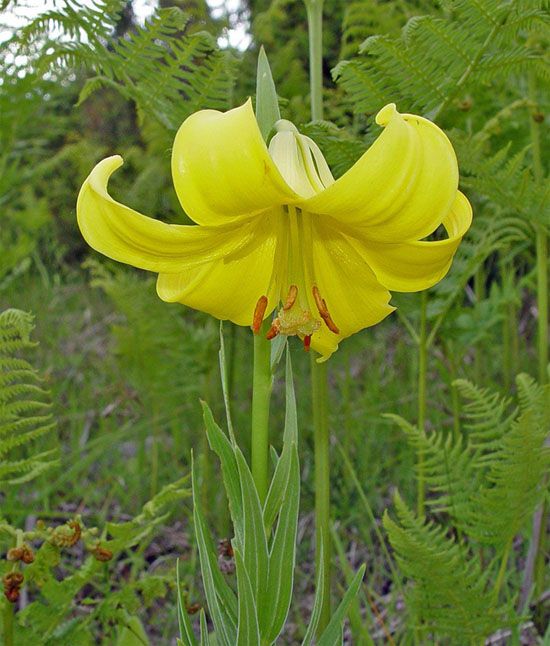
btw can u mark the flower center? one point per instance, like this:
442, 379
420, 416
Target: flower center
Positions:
305, 170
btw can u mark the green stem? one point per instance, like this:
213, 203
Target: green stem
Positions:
262, 382
422, 380
319, 378
8, 624
479, 290
501, 573
542, 306
319, 382
315, 29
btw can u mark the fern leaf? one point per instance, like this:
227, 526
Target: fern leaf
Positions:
24, 415
448, 590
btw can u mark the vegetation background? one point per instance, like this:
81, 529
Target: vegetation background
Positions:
105, 419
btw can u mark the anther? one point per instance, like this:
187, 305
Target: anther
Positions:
259, 312
307, 342
323, 310
273, 330
291, 298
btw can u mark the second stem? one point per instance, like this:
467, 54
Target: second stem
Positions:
323, 548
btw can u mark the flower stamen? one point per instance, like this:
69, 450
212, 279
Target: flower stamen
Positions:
307, 342
273, 330
259, 312
291, 298
323, 310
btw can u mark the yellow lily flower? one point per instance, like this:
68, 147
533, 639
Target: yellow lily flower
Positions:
277, 232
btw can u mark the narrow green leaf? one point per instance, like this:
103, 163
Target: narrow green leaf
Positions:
248, 633
275, 496
225, 385
186, 630
283, 555
318, 602
356, 621
254, 553
332, 635
205, 637
222, 604
223, 448
267, 105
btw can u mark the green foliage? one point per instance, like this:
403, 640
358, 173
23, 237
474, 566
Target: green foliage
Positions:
488, 480
166, 68
449, 596
24, 405
163, 356
438, 56
264, 547
93, 602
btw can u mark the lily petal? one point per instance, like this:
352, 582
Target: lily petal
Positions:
123, 234
222, 169
229, 288
403, 185
353, 295
413, 266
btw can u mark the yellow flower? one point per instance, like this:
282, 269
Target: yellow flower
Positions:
277, 232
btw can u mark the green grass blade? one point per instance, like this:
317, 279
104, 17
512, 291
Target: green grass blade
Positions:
332, 635
186, 630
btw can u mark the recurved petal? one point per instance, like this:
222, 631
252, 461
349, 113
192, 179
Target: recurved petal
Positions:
229, 288
413, 266
403, 185
222, 169
354, 297
123, 234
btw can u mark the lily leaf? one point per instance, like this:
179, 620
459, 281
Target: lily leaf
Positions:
267, 104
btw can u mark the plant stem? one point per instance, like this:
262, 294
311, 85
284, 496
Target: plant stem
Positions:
262, 382
319, 376
8, 624
422, 379
542, 306
315, 29
479, 290
319, 382
501, 573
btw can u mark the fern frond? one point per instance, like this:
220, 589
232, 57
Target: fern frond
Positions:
515, 479
24, 404
449, 468
487, 415
436, 57
167, 72
448, 590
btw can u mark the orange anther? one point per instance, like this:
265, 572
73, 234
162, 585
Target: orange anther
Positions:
273, 330
259, 312
307, 342
323, 310
291, 298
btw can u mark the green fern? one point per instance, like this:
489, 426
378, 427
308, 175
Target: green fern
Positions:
489, 479
165, 69
448, 594
24, 404
437, 57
